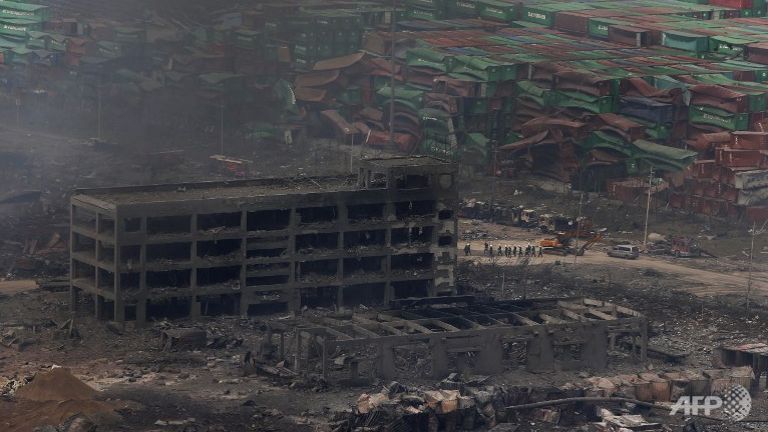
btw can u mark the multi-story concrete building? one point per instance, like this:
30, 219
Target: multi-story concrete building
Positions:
256, 246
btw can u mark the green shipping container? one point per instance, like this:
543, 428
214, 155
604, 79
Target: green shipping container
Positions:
18, 27
464, 8
685, 41
484, 68
497, 10
428, 4
712, 116
36, 13
426, 14
598, 27
597, 105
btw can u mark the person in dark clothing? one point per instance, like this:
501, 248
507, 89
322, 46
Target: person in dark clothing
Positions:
467, 250
490, 250
541, 251
514, 251
485, 252
500, 252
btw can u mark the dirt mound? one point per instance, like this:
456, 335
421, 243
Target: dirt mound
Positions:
25, 416
51, 398
56, 385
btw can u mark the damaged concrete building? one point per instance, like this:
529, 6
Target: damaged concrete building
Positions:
465, 333
267, 245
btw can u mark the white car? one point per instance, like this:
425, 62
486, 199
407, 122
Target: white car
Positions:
624, 251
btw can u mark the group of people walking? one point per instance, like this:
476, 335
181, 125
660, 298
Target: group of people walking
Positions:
507, 251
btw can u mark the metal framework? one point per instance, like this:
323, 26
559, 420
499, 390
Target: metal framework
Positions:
481, 336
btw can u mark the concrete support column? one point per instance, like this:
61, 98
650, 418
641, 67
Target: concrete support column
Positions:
541, 355
141, 313
340, 278
119, 302
74, 295
194, 308
489, 359
440, 367
98, 302
595, 350
385, 361
119, 310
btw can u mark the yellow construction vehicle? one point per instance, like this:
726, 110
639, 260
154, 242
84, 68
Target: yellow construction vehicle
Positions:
564, 244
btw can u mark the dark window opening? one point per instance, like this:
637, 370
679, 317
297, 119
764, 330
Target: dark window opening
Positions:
445, 180
169, 224
319, 297
84, 244
410, 209
411, 289
132, 224
413, 181
269, 220
378, 181
108, 310
266, 253
106, 280
169, 252
218, 221
415, 236
130, 255
313, 215
218, 248
218, 276
445, 240
364, 294
172, 308
267, 308
515, 353
83, 271
412, 261
568, 352
84, 217
363, 265
129, 313
364, 212
266, 280
169, 278
254, 241
313, 271
130, 281
224, 304
445, 214
361, 239
107, 226
309, 243
106, 253
268, 267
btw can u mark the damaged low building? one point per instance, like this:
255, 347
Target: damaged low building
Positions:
466, 333
267, 245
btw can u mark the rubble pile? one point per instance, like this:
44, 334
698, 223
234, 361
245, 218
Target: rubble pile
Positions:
56, 398
465, 408
466, 404
669, 386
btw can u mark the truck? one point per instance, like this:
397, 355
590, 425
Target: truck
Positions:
565, 244
581, 226
678, 246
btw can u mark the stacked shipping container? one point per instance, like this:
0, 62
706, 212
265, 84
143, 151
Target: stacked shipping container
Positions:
582, 91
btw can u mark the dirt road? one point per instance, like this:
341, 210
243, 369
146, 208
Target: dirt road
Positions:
696, 281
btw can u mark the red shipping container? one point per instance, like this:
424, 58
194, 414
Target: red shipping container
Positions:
736, 4
744, 140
